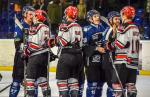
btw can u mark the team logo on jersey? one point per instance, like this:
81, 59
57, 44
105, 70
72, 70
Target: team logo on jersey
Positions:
15, 34
84, 40
96, 58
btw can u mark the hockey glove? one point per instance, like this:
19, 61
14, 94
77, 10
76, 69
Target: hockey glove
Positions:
25, 31
49, 43
25, 54
52, 57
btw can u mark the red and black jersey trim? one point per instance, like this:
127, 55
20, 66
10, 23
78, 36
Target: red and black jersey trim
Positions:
62, 41
34, 30
131, 26
33, 46
65, 27
119, 44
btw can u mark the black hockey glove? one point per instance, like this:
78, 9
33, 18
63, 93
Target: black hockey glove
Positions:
25, 31
49, 43
52, 57
25, 54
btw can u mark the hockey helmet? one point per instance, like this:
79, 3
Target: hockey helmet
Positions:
71, 12
90, 14
128, 11
40, 15
26, 9
113, 14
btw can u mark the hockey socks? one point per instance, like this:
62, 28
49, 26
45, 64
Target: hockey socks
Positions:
81, 88
63, 88
42, 82
131, 90
99, 89
30, 87
73, 87
45, 89
15, 88
109, 92
91, 89
94, 89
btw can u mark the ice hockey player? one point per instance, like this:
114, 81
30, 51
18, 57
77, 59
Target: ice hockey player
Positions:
18, 68
126, 47
94, 35
37, 52
114, 22
70, 60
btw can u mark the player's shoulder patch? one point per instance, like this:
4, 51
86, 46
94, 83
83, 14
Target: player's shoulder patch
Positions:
86, 28
15, 34
63, 27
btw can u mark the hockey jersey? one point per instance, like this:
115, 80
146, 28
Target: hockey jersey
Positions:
19, 35
94, 36
126, 45
37, 36
70, 35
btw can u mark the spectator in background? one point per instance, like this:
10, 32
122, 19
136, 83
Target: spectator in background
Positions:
39, 4
17, 10
82, 12
36, 4
0, 8
43, 5
54, 13
138, 20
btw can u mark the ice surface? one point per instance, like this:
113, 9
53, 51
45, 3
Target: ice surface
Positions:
143, 86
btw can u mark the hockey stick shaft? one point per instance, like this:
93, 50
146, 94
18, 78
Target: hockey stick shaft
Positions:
5, 88
117, 75
48, 73
18, 23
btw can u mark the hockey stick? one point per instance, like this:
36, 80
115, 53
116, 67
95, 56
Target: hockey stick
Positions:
24, 42
48, 63
18, 23
105, 20
5, 88
110, 28
117, 75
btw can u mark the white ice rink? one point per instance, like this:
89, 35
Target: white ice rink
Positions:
143, 86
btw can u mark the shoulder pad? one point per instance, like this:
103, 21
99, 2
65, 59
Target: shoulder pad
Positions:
35, 28
63, 27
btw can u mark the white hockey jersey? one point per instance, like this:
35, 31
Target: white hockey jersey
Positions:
36, 39
69, 35
127, 46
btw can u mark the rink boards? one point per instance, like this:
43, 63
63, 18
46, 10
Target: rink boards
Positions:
7, 54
